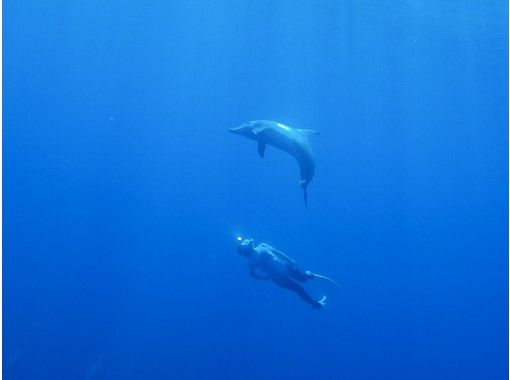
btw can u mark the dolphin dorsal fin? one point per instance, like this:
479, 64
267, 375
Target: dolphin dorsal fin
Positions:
309, 132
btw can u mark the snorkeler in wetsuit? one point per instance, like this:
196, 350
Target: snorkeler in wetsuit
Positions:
278, 267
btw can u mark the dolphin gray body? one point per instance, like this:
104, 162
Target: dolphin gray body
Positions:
294, 141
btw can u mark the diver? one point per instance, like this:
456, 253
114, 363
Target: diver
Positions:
267, 263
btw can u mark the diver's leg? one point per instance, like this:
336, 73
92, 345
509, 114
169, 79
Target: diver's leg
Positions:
297, 274
293, 286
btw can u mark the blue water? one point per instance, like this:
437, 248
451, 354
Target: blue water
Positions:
123, 192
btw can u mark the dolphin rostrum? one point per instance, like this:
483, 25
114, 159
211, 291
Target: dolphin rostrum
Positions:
292, 140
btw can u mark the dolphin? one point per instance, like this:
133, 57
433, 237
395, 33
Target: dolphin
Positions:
294, 141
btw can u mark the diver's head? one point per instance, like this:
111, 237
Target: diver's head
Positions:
244, 246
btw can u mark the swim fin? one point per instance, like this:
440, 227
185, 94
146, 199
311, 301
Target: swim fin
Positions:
315, 275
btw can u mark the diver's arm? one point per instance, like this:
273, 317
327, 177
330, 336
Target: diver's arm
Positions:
282, 255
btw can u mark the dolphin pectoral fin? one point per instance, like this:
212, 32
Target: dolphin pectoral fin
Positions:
262, 149
257, 130
309, 131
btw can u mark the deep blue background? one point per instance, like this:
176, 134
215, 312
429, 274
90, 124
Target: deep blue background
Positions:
123, 191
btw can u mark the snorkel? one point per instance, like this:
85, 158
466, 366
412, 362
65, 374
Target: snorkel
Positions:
244, 246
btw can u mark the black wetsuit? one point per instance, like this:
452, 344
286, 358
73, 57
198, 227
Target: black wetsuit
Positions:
280, 270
